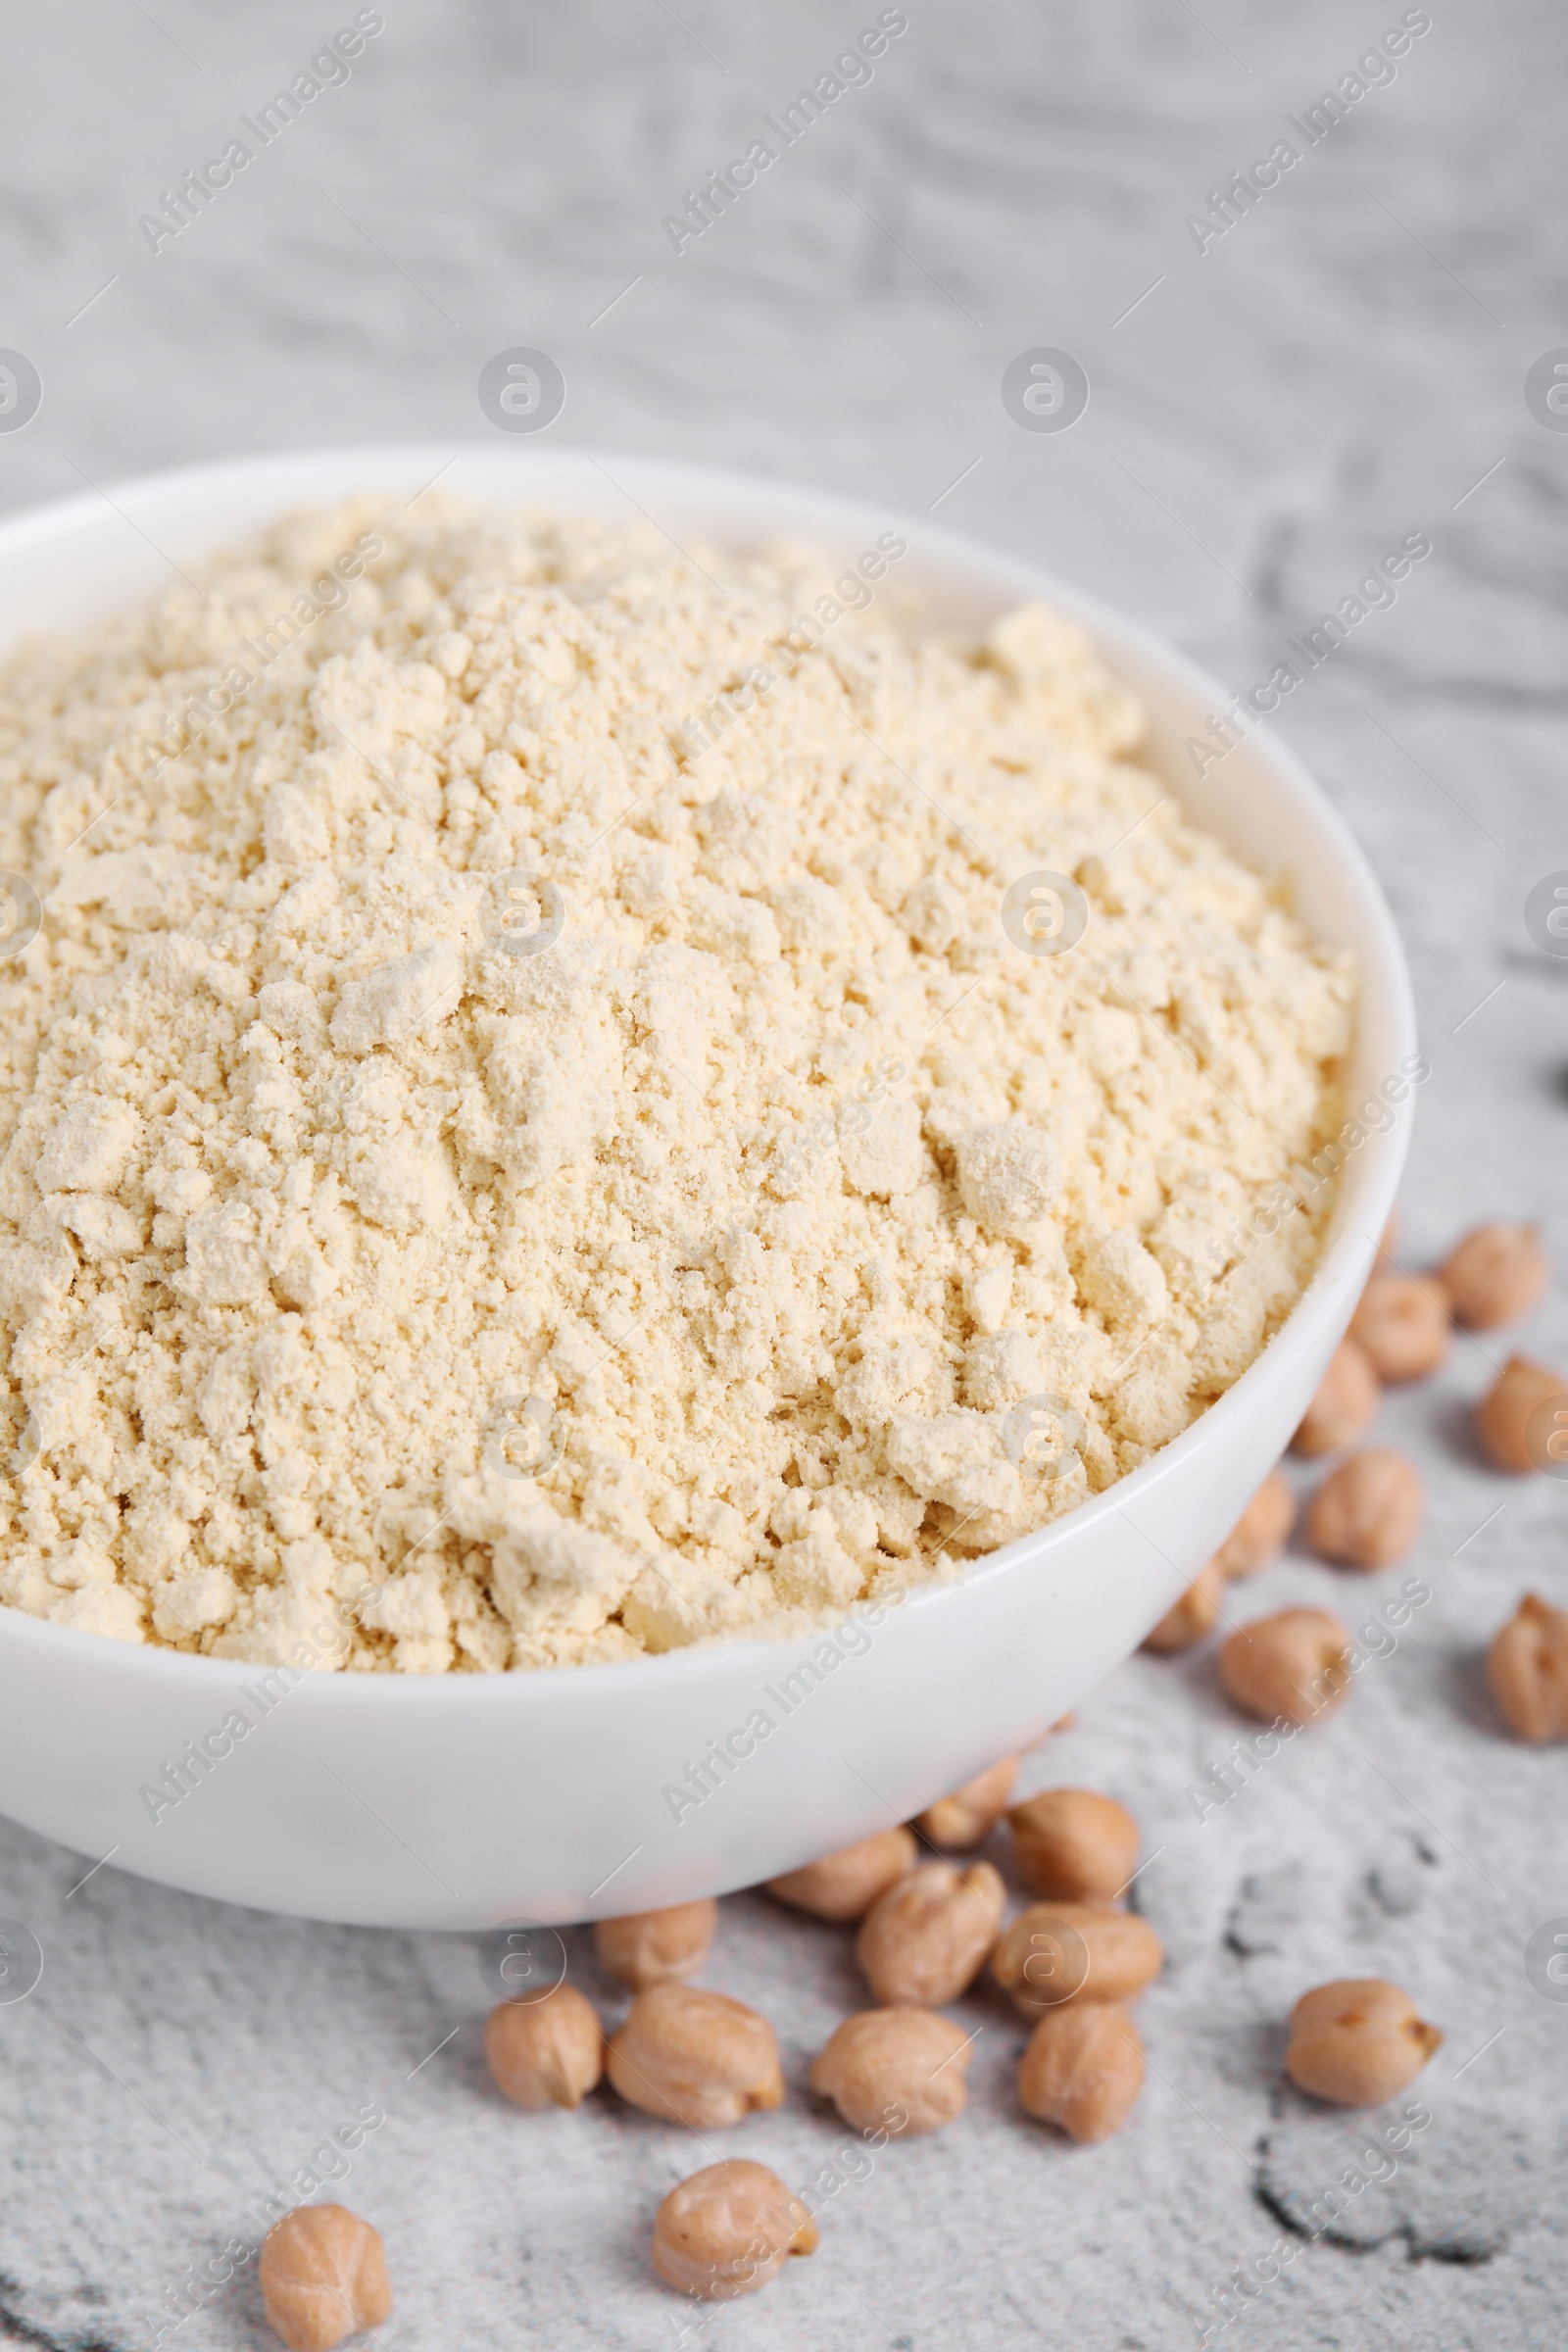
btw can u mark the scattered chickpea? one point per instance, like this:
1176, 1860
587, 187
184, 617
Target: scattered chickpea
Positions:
1260, 1531
927, 1938
729, 2229
1058, 1952
1345, 1405
1188, 1619
1504, 1414
1367, 1513
1357, 2042
1495, 1273
1074, 1843
322, 2276
845, 1885
903, 2060
970, 1813
1296, 1664
1083, 2069
695, 2057
549, 2052
651, 1947
1527, 1667
1403, 1325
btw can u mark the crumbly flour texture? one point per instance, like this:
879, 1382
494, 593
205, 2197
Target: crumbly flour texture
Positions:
484, 1171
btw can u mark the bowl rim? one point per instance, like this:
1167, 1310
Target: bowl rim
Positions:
788, 500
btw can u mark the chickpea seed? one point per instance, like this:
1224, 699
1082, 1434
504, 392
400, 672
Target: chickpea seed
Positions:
1403, 1325
845, 1885
695, 2057
1357, 2042
651, 1947
547, 2052
729, 2229
1083, 2069
927, 1938
1188, 1619
323, 2275
1345, 1405
1367, 1513
904, 2059
1296, 1664
1505, 1415
1058, 1952
1260, 1531
1527, 1667
1494, 1274
960, 1821
1075, 1845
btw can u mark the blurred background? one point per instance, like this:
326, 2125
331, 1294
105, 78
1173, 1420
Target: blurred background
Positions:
1366, 351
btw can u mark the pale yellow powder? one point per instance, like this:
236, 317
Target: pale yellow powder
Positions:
753, 1204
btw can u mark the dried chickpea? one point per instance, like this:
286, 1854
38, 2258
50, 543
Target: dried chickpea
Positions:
927, 1938
1260, 1531
1495, 1273
1527, 1667
1403, 1325
1188, 1619
1075, 1844
1058, 1952
695, 2057
1367, 1513
729, 2229
1083, 2069
549, 2052
1343, 1406
322, 2276
970, 1813
1357, 2042
1505, 1415
651, 1947
845, 1885
908, 2060
1296, 1663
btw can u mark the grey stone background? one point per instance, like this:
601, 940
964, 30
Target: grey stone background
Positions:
1345, 366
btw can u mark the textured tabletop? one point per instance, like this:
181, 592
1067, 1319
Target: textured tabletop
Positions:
1283, 384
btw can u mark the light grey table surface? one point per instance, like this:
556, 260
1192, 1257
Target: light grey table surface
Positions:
1345, 365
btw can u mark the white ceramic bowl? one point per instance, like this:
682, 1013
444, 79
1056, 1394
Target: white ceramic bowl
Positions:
466, 1802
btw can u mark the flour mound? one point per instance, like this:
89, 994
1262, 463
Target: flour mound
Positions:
487, 1173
